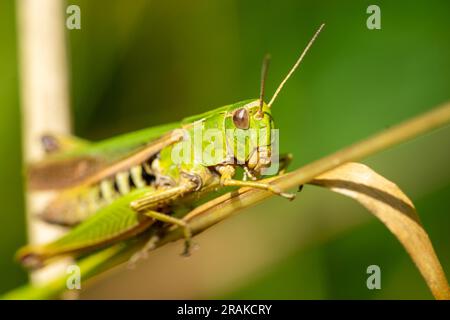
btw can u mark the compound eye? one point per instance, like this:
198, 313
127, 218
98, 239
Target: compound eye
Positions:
240, 118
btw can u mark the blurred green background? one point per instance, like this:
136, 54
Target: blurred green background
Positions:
141, 63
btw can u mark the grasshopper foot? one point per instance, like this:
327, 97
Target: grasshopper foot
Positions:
275, 190
187, 240
142, 254
187, 249
289, 196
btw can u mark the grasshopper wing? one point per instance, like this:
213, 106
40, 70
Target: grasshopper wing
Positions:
93, 162
110, 224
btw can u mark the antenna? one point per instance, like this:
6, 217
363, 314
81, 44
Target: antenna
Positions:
296, 64
265, 67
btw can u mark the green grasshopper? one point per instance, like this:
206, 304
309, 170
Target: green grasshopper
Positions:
116, 189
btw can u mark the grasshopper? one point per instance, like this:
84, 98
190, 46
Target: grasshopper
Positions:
116, 189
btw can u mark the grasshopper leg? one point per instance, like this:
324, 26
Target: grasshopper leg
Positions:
154, 198
258, 185
142, 253
227, 172
285, 161
179, 222
145, 205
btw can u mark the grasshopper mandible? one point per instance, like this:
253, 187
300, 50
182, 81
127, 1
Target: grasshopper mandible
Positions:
115, 189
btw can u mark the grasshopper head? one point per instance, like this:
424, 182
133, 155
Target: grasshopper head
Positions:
252, 126
257, 116
247, 126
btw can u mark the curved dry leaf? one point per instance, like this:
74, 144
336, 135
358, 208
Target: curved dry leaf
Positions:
380, 196
389, 204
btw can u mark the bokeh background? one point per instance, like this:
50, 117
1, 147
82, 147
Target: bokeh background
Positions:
141, 63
